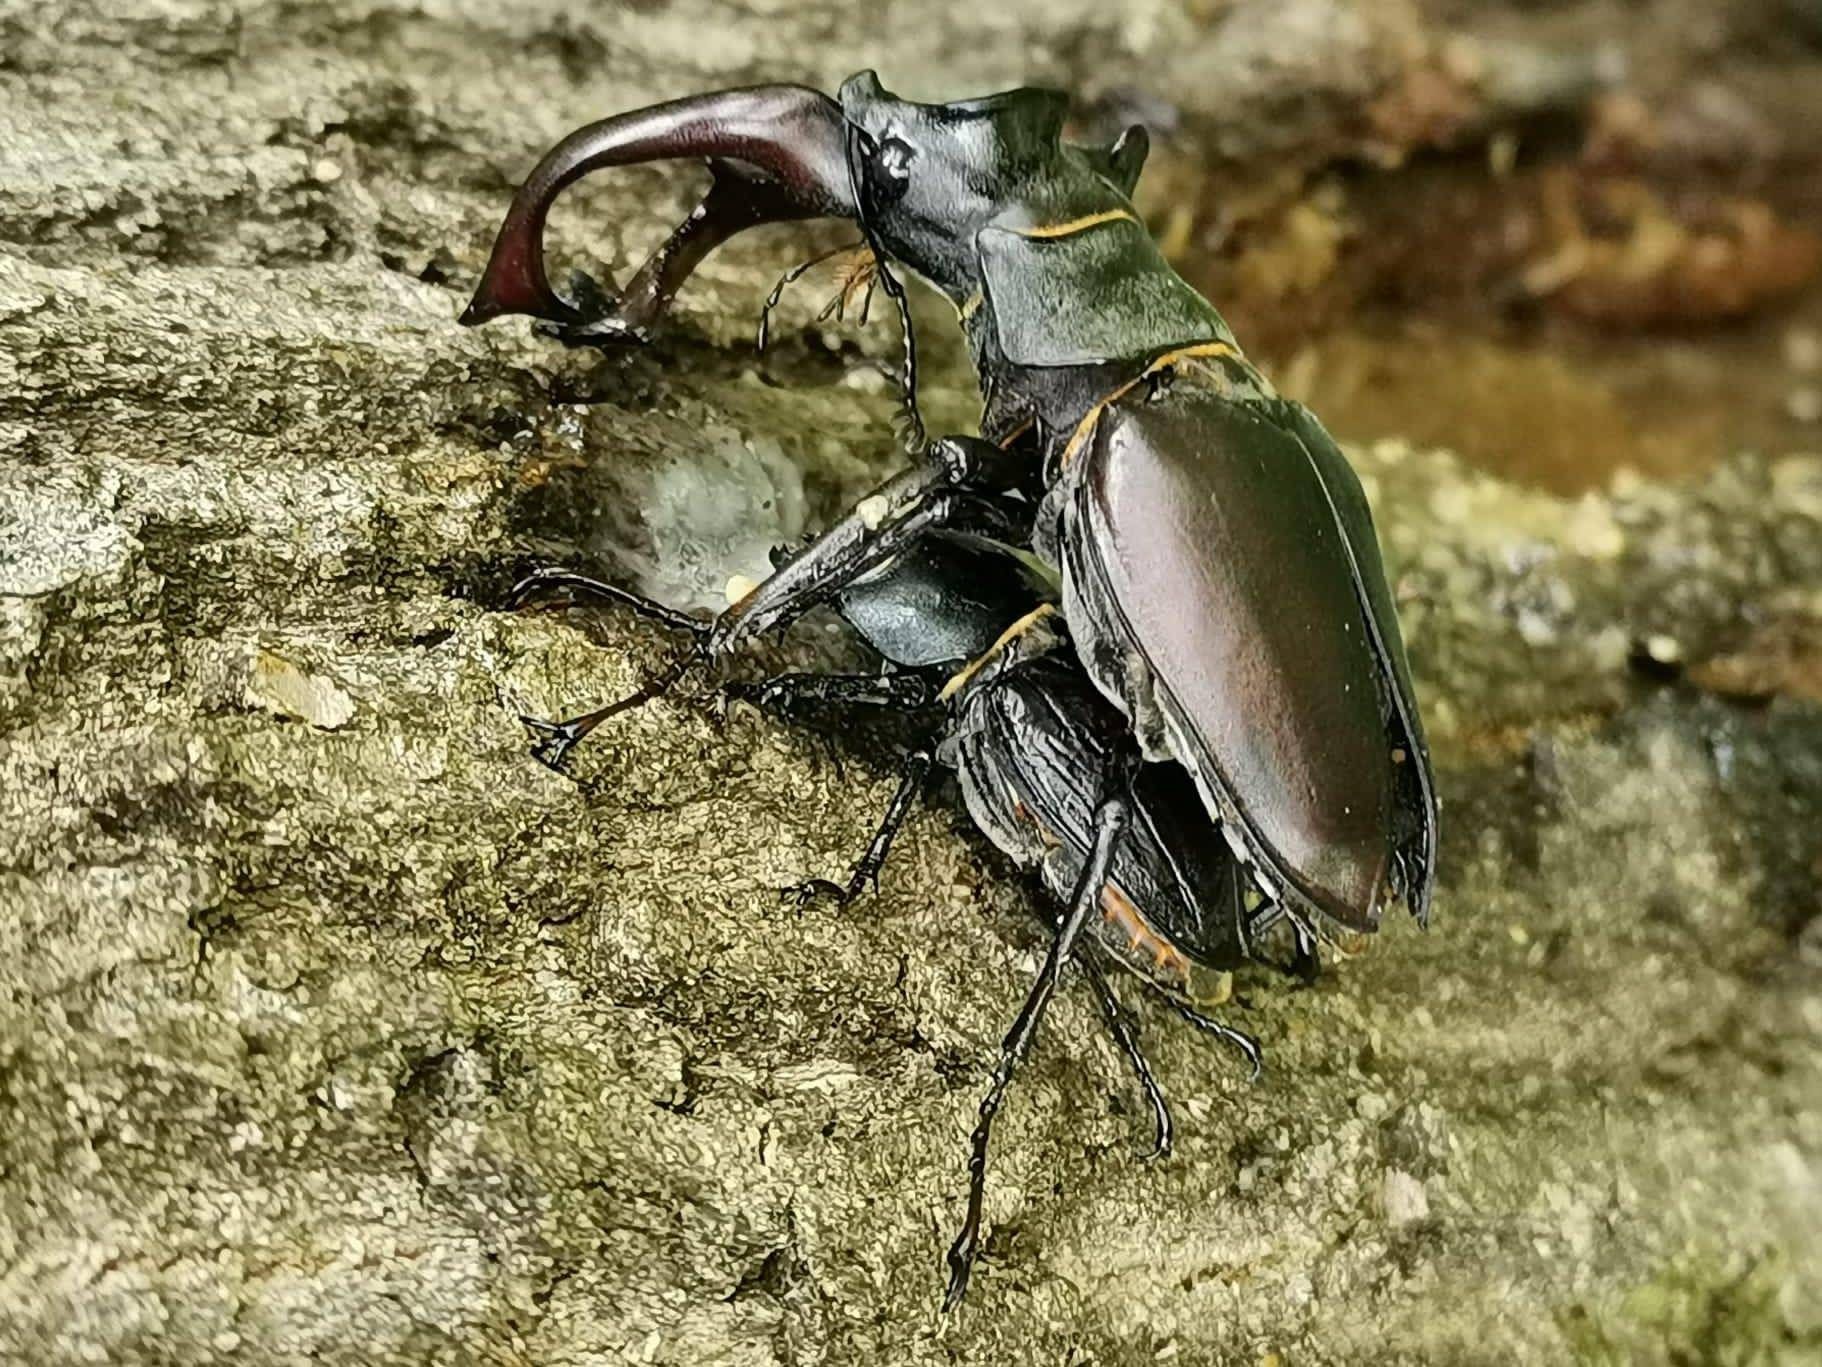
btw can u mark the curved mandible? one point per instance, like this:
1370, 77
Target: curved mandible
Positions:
792, 133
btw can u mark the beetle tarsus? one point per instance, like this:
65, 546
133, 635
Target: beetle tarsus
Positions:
1111, 818
1242, 1041
866, 870
1127, 1038
555, 739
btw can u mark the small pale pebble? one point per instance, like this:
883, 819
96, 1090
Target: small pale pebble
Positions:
279, 685
326, 171
1804, 404
1404, 1197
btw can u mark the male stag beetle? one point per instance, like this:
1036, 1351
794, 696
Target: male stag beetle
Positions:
1221, 578
1050, 773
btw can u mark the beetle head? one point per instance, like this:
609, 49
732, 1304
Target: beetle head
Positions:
926, 177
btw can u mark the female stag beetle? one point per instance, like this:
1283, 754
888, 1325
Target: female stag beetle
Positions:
1050, 773
1221, 578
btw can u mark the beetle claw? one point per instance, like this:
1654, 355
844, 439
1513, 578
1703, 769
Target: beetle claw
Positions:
811, 889
961, 1265
555, 739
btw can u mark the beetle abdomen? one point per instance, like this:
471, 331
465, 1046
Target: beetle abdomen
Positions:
1030, 744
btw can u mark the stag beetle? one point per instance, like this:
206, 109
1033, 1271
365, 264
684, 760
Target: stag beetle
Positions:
1221, 578
1050, 773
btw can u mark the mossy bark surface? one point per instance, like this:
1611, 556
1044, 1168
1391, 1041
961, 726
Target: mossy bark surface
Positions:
334, 1028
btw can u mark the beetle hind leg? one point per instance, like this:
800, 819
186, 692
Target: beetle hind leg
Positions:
1111, 819
1239, 1039
1120, 1027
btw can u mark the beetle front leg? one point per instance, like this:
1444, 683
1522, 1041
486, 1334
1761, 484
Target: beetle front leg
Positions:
893, 517
540, 583
555, 739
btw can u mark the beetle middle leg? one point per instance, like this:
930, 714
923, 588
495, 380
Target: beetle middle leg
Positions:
904, 692
915, 773
1110, 821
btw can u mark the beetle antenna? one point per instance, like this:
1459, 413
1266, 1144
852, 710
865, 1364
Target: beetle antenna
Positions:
785, 281
915, 438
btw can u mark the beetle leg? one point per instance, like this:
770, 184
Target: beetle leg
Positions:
555, 739
912, 435
1110, 822
903, 691
1121, 1029
881, 525
958, 484
1242, 1041
541, 583
866, 870
1305, 963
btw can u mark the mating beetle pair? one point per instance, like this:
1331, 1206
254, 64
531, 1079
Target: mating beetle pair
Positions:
1220, 580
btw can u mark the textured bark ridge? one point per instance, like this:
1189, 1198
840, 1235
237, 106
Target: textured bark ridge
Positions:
333, 1028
